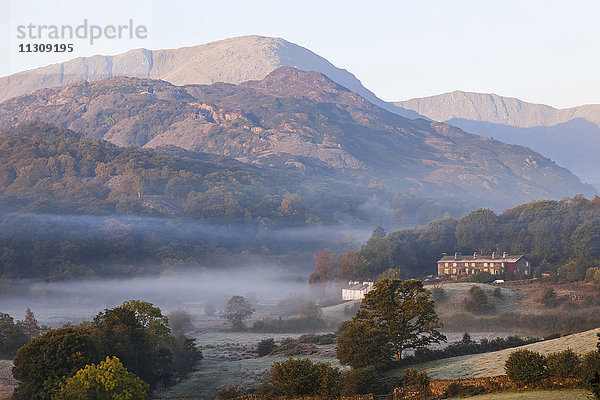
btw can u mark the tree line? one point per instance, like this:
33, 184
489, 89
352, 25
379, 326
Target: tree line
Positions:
558, 236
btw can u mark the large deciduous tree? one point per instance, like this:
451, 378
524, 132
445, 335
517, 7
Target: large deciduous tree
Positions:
360, 345
236, 311
40, 365
404, 310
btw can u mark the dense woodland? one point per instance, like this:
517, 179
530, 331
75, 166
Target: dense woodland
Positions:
74, 207
561, 237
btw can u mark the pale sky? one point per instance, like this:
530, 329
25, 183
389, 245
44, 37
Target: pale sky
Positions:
539, 51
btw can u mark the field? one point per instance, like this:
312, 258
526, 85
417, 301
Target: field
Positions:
492, 364
536, 395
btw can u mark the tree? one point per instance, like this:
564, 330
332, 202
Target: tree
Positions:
477, 230
236, 311
302, 377
379, 232
40, 365
349, 264
324, 267
30, 325
525, 366
360, 344
108, 380
180, 321
405, 311
265, 347
12, 336
564, 364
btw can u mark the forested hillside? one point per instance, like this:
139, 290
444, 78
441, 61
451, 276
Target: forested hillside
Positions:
562, 237
73, 207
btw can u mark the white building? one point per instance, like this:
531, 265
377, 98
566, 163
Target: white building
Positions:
356, 290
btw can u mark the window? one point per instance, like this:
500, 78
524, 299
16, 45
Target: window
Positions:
485, 265
454, 264
445, 264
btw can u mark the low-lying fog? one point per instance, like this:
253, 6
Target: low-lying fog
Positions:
57, 303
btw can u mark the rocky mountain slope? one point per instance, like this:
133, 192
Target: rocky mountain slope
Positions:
303, 121
570, 136
233, 60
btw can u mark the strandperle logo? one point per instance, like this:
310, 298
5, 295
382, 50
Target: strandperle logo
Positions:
83, 31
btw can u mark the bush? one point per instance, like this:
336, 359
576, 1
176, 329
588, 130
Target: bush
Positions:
228, 392
297, 324
412, 377
439, 293
525, 366
478, 303
549, 298
265, 347
107, 380
564, 364
482, 277
361, 381
302, 377
497, 293
457, 390
590, 366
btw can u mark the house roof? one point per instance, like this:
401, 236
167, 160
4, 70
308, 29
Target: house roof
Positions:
359, 286
481, 258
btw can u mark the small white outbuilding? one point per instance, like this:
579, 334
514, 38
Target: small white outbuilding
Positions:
356, 290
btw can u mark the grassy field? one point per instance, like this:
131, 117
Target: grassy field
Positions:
536, 395
492, 364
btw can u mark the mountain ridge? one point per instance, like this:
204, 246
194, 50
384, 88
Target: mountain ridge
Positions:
232, 60
571, 136
303, 121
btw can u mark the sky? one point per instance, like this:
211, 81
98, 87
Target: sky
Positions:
538, 51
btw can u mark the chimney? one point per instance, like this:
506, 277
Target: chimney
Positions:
504, 255
456, 255
493, 254
474, 255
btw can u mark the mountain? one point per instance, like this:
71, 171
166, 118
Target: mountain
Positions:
302, 121
570, 136
233, 60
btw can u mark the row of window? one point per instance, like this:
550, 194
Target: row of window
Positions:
475, 264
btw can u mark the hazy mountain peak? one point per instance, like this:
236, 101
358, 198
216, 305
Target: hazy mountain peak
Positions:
232, 60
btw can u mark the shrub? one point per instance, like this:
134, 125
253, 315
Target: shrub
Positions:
302, 377
413, 377
107, 380
497, 293
266, 346
439, 293
296, 324
525, 366
478, 303
552, 336
457, 390
228, 392
564, 364
590, 366
482, 277
549, 298
361, 381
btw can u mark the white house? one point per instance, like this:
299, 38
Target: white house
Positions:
356, 290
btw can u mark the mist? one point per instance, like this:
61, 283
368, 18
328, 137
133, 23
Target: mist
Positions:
59, 303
